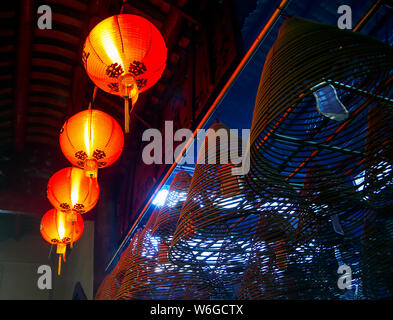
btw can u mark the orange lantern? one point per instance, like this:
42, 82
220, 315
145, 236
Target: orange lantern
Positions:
124, 55
57, 229
69, 190
91, 139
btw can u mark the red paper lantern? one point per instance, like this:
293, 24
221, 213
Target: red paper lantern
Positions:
58, 230
70, 190
91, 139
124, 55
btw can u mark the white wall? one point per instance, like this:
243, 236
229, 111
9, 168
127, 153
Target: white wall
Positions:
20, 259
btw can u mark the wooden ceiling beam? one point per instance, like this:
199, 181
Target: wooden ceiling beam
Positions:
23, 66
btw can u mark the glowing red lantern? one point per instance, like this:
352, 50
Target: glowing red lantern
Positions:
70, 190
91, 139
124, 55
58, 230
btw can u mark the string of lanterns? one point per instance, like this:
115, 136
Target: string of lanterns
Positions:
124, 55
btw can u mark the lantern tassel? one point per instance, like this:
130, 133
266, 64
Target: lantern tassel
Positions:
61, 250
73, 234
126, 115
59, 266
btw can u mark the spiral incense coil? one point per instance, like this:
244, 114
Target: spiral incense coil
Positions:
143, 251
304, 271
111, 284
169, 213
150, 274
334, 166
290, 134
221, 216
215, 195
218, 218
266, 275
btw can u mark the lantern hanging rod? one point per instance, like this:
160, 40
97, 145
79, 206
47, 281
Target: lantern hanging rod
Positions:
243, 63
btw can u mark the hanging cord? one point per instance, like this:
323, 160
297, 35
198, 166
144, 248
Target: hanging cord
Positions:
93, 98
50, 251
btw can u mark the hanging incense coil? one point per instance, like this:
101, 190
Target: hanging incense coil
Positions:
151, 275
221, 216
141, 261
262, 279
289, 135
218, 218
170, 212
310, 267
110, 286
334, 166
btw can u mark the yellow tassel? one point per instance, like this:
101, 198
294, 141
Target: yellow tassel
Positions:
59, 266
61, 250
73, 234
126, 116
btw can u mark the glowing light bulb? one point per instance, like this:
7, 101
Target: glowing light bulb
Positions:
328, 103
